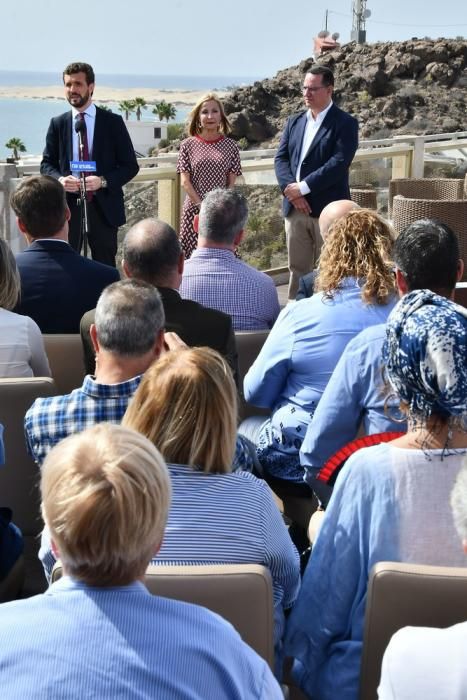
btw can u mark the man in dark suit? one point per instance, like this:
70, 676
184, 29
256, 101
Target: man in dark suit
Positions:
152, 253
312, 168
109, 145
57, 284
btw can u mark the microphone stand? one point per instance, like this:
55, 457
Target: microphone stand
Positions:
83, 200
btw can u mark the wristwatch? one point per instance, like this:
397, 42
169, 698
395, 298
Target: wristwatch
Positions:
103, 182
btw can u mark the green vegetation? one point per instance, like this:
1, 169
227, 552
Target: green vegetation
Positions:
164, 110
264, 243
127, 106
175, 131
139, 103
16, 145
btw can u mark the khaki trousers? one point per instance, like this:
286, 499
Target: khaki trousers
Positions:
303, 246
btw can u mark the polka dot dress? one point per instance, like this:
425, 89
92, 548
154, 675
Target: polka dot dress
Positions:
208, 163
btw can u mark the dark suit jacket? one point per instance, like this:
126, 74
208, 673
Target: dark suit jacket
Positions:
112, 150
58, 286
195, 324
325, 167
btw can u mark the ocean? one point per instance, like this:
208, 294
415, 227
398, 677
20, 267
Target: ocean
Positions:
29, 119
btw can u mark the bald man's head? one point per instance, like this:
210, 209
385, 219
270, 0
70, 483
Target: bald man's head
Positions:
152, 253
332, 212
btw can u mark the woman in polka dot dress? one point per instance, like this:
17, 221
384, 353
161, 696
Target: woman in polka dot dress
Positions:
207, 159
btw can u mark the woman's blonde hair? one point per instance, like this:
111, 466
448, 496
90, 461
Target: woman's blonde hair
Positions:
194, 125
10, 283
105, 498
186, 405
358, 245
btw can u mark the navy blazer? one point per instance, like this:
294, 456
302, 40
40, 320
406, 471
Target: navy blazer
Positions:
325, 167
58, 285
112, 150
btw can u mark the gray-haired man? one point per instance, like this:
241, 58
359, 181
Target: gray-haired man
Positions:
127, 336
214, 277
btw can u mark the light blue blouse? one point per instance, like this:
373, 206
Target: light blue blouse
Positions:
295, 365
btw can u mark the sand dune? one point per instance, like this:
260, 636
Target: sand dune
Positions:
107, 94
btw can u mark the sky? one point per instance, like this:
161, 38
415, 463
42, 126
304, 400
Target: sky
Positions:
186, 37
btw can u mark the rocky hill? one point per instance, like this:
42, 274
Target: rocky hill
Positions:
416, 87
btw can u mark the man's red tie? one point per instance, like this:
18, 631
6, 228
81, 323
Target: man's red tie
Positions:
84, 139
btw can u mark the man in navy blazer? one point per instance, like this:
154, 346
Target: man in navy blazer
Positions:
109, 145
57, 285
312, 168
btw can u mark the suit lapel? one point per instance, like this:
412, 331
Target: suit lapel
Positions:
323, 129
67, 136
97, 138
301, 124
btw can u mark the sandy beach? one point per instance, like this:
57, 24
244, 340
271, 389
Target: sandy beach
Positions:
107, 94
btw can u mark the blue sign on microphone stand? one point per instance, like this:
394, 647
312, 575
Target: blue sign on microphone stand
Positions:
87, 166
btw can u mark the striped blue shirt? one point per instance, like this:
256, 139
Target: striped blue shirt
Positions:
77, 642
230, 519
214, 277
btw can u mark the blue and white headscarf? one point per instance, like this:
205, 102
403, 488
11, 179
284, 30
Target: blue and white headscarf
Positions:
425, 354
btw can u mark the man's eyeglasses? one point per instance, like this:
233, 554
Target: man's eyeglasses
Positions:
305, 88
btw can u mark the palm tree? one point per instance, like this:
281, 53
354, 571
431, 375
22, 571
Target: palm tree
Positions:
16, 146
139, 103
170, 111
164, 110
127, 106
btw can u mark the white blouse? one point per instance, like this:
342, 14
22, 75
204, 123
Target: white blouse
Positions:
22, 352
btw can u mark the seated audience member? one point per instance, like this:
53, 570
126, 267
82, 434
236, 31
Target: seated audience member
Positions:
57, 284
22, 352
390, 501
11, 540
98, 632
187, 406
213, 276
152, 253
354, 289
425, 662
331, 213
127, 337
426, 256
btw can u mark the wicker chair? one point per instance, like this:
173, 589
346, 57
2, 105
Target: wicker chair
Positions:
451, 212
425, 188
364, 198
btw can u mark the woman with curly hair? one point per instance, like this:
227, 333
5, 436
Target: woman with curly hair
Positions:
354, 289
390, 501
207, 159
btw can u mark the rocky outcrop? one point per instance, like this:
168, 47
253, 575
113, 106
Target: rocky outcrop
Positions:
417, 87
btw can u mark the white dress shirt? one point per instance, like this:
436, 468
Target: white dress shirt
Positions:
311, 129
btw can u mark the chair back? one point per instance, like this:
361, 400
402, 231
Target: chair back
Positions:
460, 295
249, 343
65, 353
364, 198
240, 593
407, 594
444, 188
450, 212
19, 478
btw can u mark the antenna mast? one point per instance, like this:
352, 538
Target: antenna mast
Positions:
359, 16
